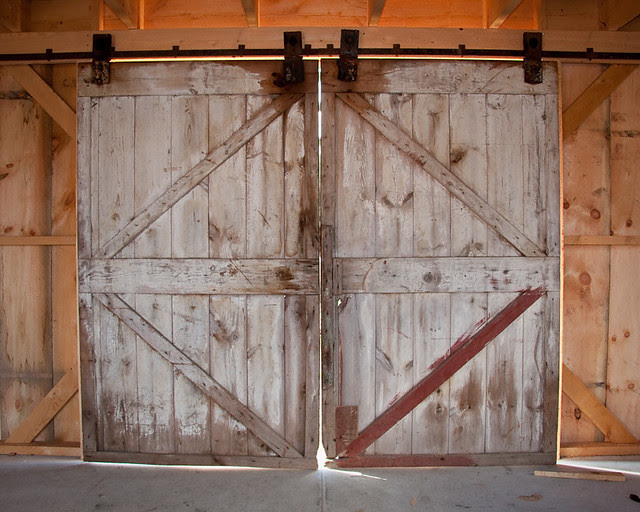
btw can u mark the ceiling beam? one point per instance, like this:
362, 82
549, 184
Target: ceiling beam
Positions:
251, 11
375, 8
128, 11
14, 15
499, 10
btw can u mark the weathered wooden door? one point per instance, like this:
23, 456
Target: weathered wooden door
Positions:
440, 214
198, 273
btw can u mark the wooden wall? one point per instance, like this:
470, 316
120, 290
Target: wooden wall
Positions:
38, 327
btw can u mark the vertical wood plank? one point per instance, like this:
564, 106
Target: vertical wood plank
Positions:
83, 184
295, 352
394, 365
432, 237
88, 360
469, 237
227, 186
152, 176
228, 328
265, 187
265, 370
312, 380
190, 238
356, 327
506, 160
355, 185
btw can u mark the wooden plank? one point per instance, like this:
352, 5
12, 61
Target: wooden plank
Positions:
88, 366
602, 240
464, 459
193, 78
608, 424
312, 378
203, 460
623, 360
198, 376
46, 409
55, 240
251, 10
582, 475
51, 450
190, 239
460, 353
48, 99
198, 276
447, 274
443, 175
228, 341
375, 8
469, 237
156, 416
127, 10
196, 174
266, 366
598, 449
346, 426
619, 13
370, 37
599, 90
411, 76
497, 11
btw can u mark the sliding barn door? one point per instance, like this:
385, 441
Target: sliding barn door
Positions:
440, 194
198, 273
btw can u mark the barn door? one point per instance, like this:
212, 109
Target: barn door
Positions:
441, 264
198, 250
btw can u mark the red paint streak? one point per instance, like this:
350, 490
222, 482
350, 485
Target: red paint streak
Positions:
465, 349
461, 341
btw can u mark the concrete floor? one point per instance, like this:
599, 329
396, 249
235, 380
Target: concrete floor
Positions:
58, 484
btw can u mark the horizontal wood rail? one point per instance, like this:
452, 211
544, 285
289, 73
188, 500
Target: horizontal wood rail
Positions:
601, 240
76, 46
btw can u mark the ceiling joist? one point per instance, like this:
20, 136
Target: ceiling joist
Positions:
128, 11
251, 9
375, 11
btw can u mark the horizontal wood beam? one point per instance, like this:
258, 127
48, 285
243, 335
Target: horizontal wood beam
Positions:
199, 276
317, 37
589, 404
445, 275
46, 409
464, 459
37, 240
52, 450
599, 90
201, 379
601, 240
46, 97
465, 349
598, 449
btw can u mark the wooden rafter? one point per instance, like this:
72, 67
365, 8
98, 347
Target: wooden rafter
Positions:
128, 11
205, 382
499, 10
46, 97
589, 404
252, 12
599, 90
375, 8
465, 349
46, 409
195, 175
442, 175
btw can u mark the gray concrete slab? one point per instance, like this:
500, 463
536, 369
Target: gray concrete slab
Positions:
57, 484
